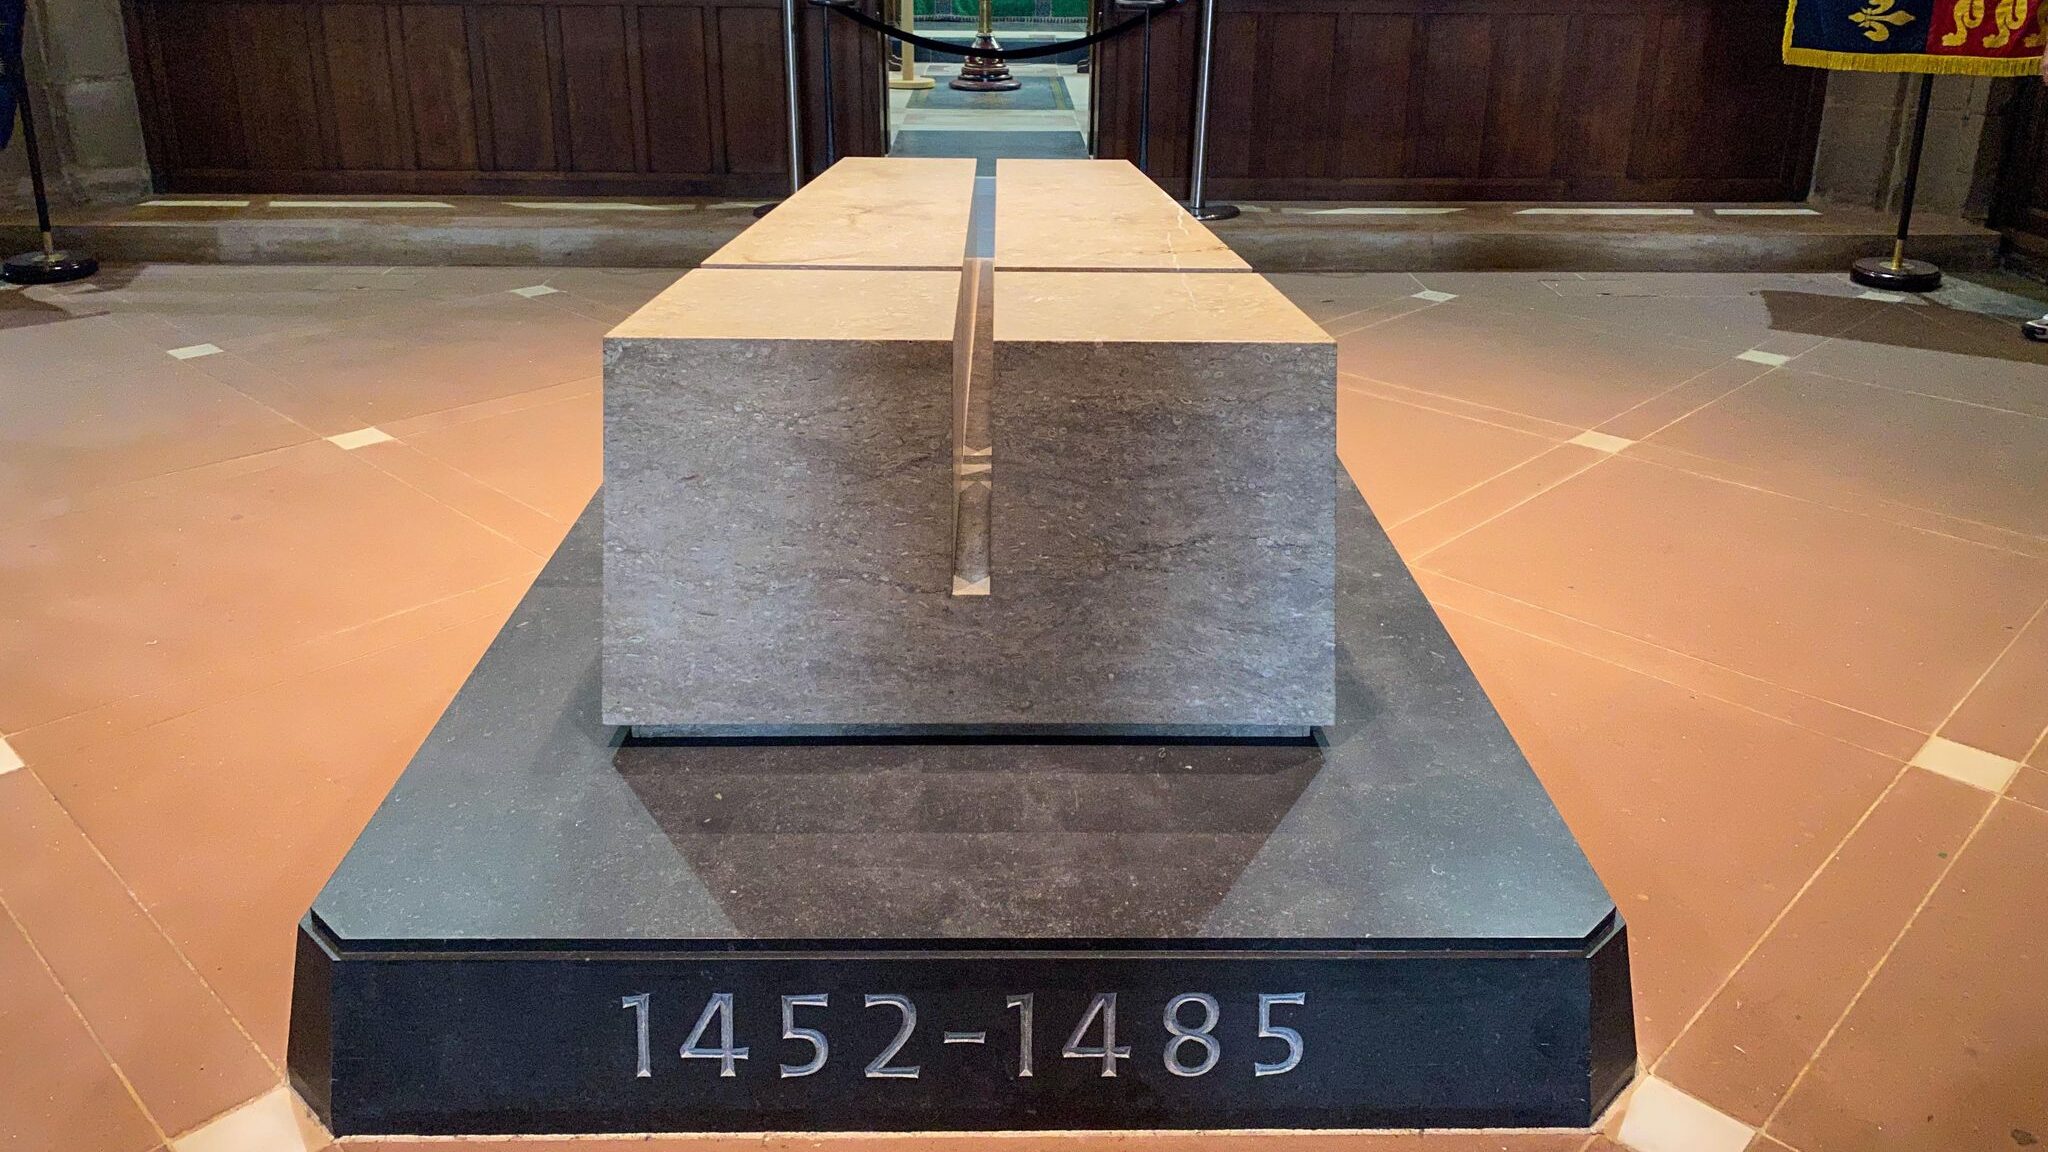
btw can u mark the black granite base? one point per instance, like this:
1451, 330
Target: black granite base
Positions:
1388, 925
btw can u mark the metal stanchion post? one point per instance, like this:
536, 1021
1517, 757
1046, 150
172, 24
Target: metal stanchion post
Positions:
831, 135
1198, 205
1145, 8
906, 18
791, 88
1899, 274
985, 73
51, 265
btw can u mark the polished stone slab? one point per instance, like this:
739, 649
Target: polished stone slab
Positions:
1121, 524
864, 212
1162, 443
1079, 215
778, 453
470, 965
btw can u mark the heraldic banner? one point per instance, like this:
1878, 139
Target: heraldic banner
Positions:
1969, 37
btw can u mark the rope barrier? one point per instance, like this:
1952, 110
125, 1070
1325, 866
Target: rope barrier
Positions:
846, 8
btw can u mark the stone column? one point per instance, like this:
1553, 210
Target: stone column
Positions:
77, 55
1867, 130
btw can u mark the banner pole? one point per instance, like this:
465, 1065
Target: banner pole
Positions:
1899, 274
791, 90
1198, 205
50, 265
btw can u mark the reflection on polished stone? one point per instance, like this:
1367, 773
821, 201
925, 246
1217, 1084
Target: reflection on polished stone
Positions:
1077, 838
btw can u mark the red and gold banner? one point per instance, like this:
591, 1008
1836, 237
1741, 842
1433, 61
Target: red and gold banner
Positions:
1967, 37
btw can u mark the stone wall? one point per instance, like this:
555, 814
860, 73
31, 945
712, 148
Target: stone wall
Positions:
77, 54
1867, 133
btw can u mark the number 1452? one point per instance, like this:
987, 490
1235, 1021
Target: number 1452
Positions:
1191, 1047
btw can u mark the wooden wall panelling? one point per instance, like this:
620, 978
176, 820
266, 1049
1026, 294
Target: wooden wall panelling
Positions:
435, 75
1478, 99
751, 74
364, 109
597, 75
486, 96
680, 100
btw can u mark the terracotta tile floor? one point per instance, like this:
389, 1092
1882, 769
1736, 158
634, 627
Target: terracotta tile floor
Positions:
1756, 569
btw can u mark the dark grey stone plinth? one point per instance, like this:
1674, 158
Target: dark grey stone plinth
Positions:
475, 963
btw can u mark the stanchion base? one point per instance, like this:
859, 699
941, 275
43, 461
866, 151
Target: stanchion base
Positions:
984, 73
1213, 211
2036, 330
1909, 276
914, 84
58, 267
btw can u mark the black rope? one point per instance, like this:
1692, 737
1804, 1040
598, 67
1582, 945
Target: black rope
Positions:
846, 8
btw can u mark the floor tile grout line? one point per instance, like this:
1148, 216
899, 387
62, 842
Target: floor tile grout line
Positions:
1697, 409
474, 478
1848, 495
1599, 459
1468, 490
107, 491
1753, 486
1928, 395
113, 1065
1757, 944
325, 636
1871, 977
493, 530
1446, 411
596, 386
1695, 377
1750, 677
135, 899
1460, 400
2019, 633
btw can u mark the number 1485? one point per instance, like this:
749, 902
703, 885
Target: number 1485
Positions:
1190, 1019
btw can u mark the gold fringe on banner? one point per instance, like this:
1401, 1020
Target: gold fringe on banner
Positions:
1914, 62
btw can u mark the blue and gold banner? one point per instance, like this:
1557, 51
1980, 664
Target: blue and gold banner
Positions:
1968, 37
12, 15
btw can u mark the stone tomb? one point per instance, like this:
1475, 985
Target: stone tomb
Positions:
805, 533
554, 926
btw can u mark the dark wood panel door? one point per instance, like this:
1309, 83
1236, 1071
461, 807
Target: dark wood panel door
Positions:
1475, 99
574, 97
2020, 199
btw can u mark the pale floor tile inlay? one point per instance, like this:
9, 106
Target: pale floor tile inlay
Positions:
535, 290
1771, 358
9, 758
1972, 766
195, 204
272, 1122
1434, 296
1883, 297
1605, 212
1661, 1118
360, 438
192, 351
599, 206
1766, 212
1373, 210
360, 204
1600, 441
